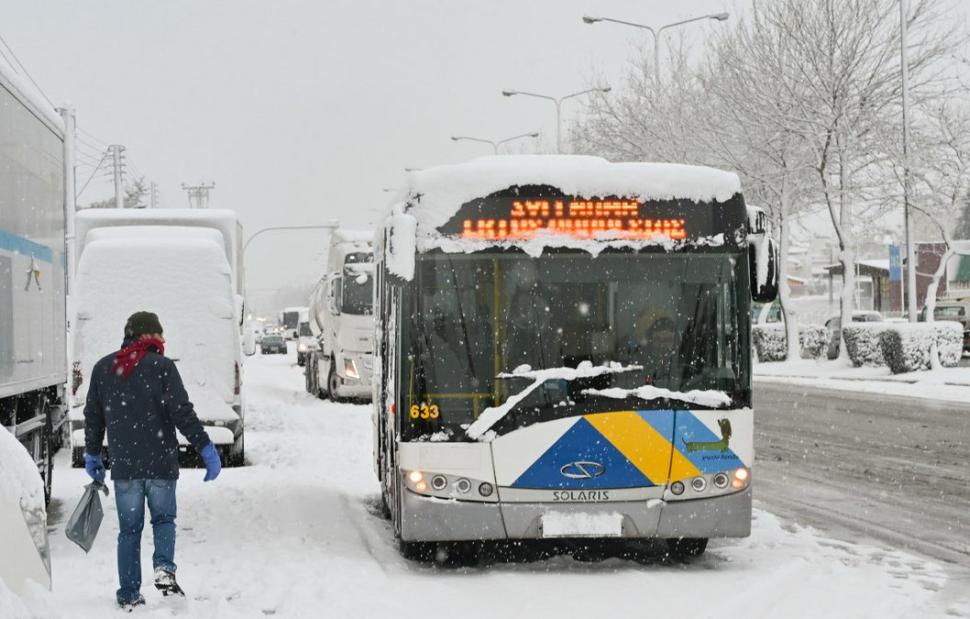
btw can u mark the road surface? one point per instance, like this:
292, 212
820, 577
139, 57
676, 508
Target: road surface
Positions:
867, 466
297, 533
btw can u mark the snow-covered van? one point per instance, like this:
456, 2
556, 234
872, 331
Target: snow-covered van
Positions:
182, 274
23, 520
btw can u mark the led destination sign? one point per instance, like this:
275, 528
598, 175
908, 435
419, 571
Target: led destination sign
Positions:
521, 213
576, 218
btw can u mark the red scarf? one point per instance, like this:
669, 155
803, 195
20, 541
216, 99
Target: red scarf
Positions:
128, 357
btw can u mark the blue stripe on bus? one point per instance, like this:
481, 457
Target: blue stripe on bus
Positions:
11, 242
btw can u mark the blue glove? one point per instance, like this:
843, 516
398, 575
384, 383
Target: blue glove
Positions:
213, 464
95, 467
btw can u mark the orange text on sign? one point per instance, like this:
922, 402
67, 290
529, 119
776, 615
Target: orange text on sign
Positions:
576, 218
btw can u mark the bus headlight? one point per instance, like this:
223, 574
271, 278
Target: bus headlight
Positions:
485, 489
721, 480
439, 482
699, 484
677, 488
350, 368
741, 477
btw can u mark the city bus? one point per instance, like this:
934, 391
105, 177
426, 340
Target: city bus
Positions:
563, 352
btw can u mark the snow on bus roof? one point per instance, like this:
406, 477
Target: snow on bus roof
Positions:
444, 189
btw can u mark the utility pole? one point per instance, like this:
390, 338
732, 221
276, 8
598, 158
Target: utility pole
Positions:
70, 201
199, 193
153, 195
118, 169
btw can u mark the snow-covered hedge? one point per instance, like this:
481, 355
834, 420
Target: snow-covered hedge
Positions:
813, 340
771, 343
863, 344
907, 346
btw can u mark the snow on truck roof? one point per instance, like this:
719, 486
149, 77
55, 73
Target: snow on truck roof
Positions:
444, 189
30, 96
343, 235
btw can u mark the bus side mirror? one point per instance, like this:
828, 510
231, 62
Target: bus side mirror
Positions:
763, 265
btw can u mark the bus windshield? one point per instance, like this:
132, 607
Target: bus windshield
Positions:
472, 317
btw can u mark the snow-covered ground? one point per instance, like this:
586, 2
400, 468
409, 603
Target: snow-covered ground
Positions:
951, 384
297, 534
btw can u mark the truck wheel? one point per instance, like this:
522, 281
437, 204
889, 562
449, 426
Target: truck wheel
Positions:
307, 376
47, 449
77, 457
686, 547
333, 382
237, 453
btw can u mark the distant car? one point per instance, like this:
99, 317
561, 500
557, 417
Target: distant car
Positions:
271, 344
953, 311
834, 326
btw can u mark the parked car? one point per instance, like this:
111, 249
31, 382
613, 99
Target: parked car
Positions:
772, 313
272, 344
954, 311
834, 326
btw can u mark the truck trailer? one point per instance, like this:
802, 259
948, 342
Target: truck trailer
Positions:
33, 364
340, 365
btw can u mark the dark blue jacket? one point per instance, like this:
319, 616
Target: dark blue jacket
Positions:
140, 414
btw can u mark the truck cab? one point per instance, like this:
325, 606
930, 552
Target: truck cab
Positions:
342, 320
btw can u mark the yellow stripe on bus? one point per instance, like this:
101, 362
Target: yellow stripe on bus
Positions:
642, 445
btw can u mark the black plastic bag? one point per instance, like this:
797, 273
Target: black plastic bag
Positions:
83, 525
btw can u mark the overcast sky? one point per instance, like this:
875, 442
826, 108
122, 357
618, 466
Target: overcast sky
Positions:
303, 111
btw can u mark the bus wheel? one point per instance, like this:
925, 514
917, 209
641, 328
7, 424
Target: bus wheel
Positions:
417, 551
686, 547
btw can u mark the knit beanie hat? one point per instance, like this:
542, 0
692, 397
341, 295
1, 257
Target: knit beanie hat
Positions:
142, 323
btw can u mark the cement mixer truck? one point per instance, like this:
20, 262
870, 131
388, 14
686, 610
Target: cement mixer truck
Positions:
342, 321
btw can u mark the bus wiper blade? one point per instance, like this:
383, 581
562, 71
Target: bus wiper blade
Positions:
585, 369
491, 415
709, 398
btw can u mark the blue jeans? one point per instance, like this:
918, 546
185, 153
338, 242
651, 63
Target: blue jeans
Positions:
130, 497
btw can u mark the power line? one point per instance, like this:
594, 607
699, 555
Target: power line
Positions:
98, 167
26, 72
101, 144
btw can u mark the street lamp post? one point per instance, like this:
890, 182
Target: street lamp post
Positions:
907, 217
495, 143
558, 102
656, 32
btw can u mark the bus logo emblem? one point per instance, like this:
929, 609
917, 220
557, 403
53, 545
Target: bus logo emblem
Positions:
582, 470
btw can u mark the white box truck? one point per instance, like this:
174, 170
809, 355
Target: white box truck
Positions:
175, 265
33, 364
340, 366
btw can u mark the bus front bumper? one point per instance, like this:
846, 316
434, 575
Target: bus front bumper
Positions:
438, 520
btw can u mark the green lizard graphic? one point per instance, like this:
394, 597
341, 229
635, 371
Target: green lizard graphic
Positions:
721, 445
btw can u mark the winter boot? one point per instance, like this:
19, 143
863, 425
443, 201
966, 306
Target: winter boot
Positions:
165, 582
130, 606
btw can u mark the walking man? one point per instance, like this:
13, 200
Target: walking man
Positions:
137, 396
